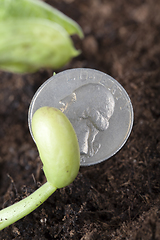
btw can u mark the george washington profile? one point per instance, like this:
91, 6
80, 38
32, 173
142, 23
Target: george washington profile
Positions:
89, 109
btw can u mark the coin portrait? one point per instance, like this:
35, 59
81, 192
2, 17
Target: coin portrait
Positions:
98, 107
89, 109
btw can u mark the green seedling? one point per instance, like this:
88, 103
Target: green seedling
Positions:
59, 151
34, 35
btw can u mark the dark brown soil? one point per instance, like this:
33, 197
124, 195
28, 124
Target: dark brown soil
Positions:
119, 198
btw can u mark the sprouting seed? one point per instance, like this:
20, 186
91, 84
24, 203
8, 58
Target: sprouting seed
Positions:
59, 151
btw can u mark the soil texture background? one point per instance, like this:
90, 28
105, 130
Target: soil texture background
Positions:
119, 198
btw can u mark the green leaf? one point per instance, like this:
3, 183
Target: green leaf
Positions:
10, 9
27, 45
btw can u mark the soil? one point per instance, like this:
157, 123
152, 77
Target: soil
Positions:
119, 198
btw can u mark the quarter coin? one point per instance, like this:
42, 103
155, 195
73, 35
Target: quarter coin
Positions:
98, 107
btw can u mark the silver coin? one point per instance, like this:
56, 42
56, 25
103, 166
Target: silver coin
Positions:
98, 107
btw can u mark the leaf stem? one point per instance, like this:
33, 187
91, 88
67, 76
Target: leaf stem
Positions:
20, 209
